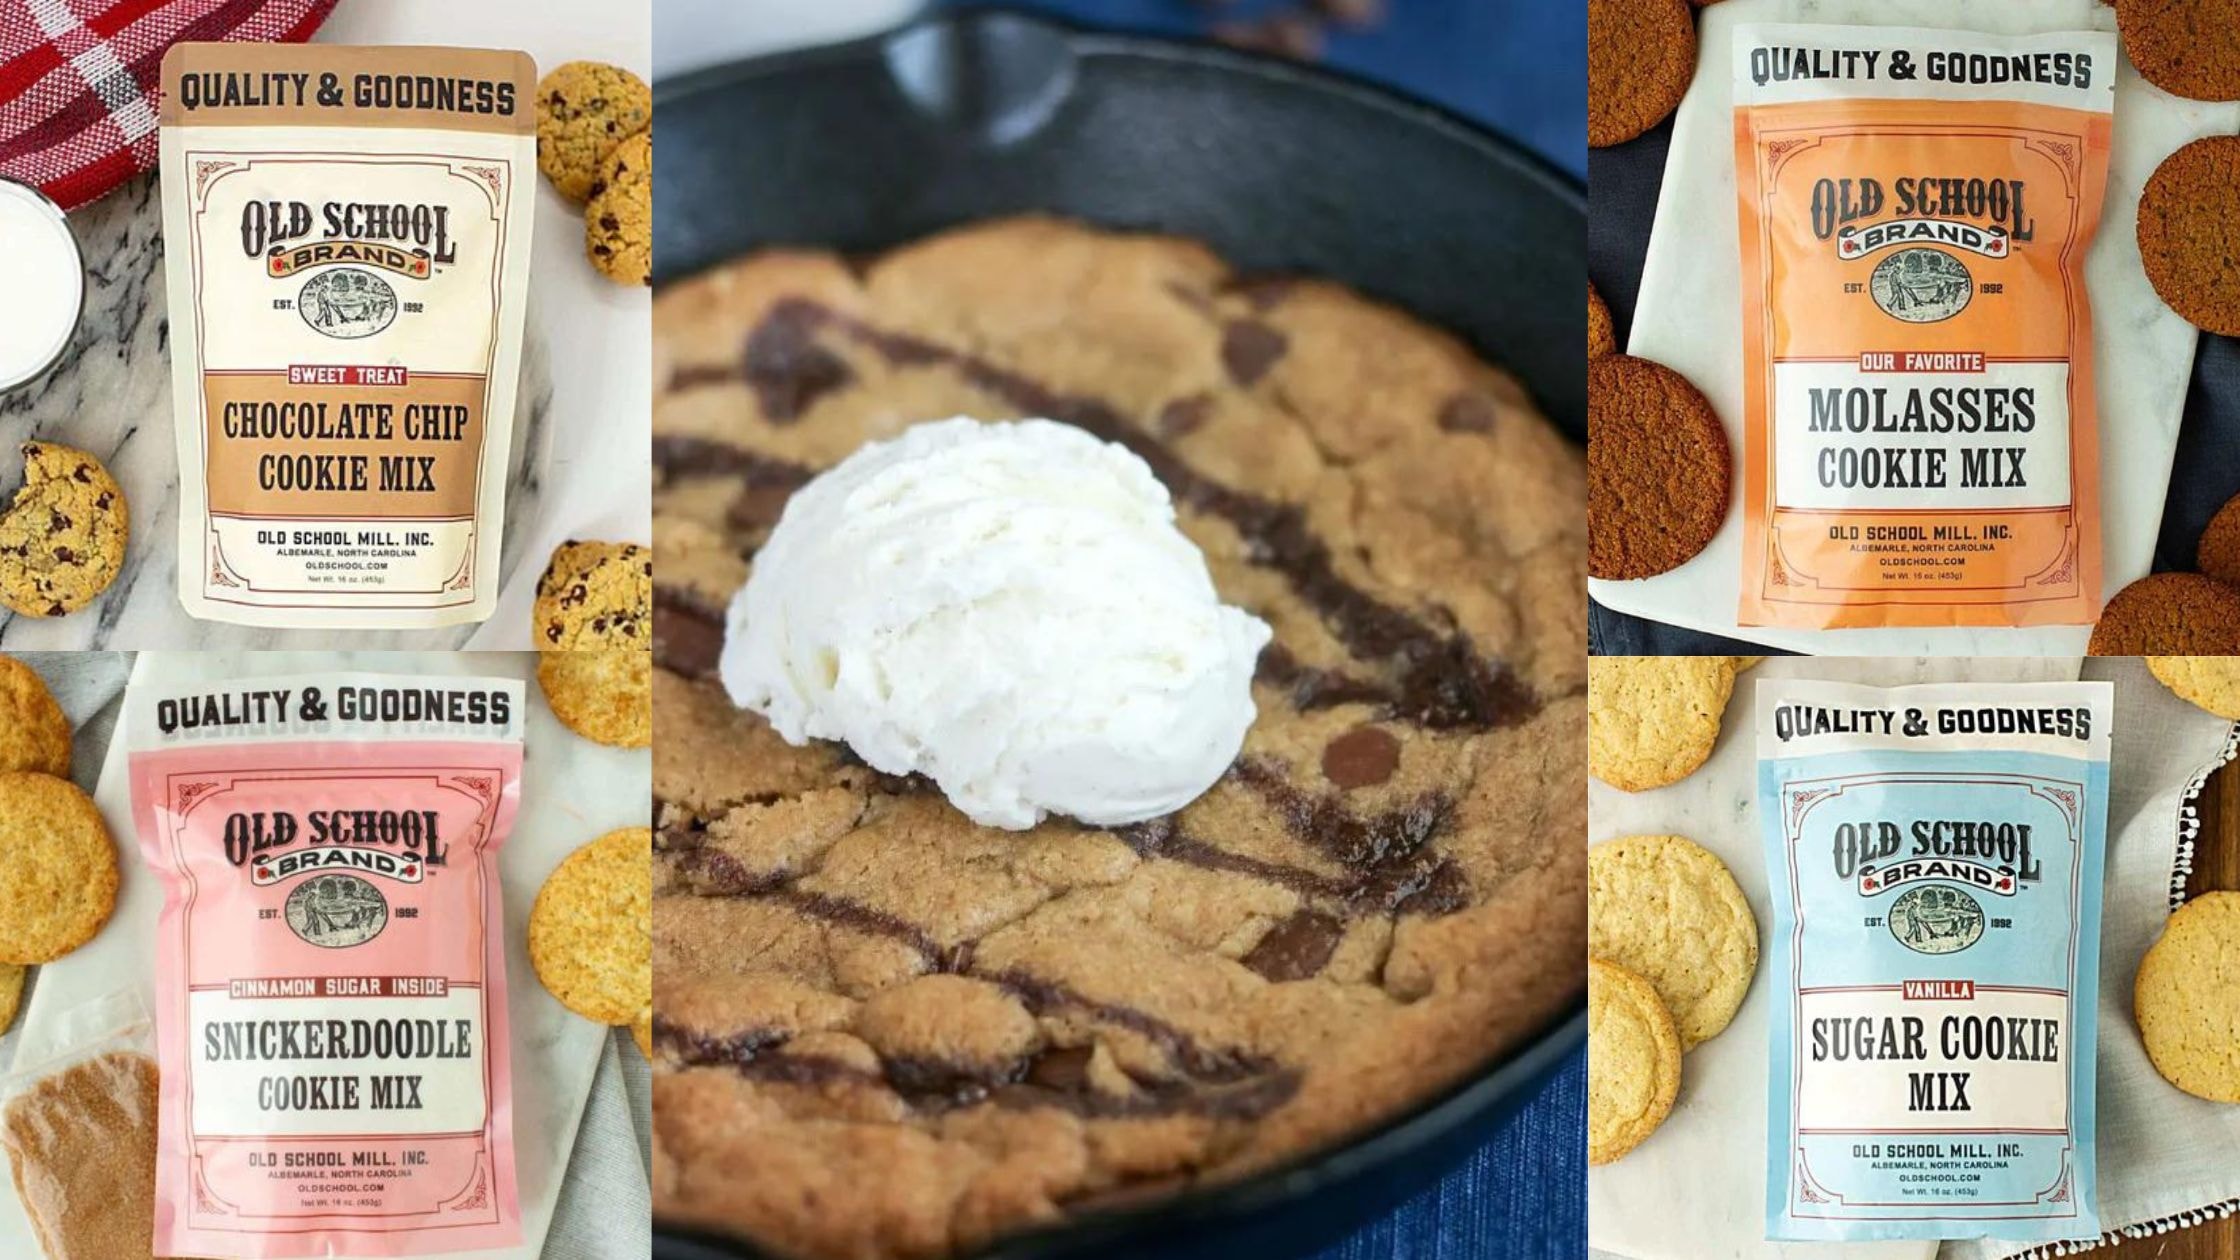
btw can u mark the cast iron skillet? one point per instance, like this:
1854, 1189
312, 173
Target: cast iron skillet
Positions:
969, 116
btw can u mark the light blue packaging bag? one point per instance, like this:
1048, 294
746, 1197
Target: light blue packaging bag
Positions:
1934, 855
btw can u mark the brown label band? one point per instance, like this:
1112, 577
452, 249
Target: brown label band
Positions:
346, 451
341, 85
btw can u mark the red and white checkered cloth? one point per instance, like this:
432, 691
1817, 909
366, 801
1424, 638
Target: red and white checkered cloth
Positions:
79, 81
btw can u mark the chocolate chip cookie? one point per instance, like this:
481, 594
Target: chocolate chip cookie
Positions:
585, 109
618, 222
881, 1030
594, 596
62, 540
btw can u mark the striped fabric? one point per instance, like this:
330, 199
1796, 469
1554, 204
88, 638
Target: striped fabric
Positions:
79, 81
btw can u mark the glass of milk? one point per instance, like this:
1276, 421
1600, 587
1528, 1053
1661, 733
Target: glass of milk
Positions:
44, 278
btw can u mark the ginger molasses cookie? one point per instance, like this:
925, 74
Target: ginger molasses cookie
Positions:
2188, 48
1658, 469
62, 540
2219, 552
2170, 614
2189, 233
1641, 55
585, 109
618, 222
595, 595
2187, 998
1633, 1061
590, 933
2209, 683
1651, 720
58, 868
601, 694
34, 733
1602, 335
1665, 908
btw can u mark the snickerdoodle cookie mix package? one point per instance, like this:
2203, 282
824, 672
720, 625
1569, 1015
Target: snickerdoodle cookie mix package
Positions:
331, 988
1935, 856
347, 236
1918, 379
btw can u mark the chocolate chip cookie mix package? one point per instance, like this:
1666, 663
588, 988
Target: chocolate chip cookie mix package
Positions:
1922, 447
1934, 855
347, 234
330, 973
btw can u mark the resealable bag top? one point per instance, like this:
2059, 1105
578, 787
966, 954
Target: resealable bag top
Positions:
330, 966
347, 237
1921, 440
1934, 855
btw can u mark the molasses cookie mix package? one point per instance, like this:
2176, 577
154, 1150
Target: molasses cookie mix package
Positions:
1934, 855
330, 972
1917, 385
346, 233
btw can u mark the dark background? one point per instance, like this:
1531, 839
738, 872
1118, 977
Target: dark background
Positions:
1623, 183
1519, 67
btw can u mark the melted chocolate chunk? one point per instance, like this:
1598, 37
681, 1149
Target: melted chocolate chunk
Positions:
1362, 757
687, 632
785, 366
1470, 411
1249, 348
1061, 1068
1297, 948
1184, 416
1398, 870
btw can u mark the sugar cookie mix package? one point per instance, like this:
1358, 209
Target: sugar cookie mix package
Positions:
330, 973
1934, 855
1915, 207
347, 237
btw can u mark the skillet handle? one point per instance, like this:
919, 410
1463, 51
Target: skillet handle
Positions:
994, 78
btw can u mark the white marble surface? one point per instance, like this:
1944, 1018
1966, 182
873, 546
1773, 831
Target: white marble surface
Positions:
2144, 351
1695, 1190
581, 429
572, 792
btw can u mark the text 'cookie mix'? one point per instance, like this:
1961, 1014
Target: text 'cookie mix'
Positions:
1918, 383
330, 984
1934, 855
346, 233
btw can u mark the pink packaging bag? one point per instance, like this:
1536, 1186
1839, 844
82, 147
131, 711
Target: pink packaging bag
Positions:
330, 966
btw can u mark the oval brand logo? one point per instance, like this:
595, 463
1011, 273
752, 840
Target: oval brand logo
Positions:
347, 303
1936, 919
1921, 286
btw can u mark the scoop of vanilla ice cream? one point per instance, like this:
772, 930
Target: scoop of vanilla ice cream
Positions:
1008, 609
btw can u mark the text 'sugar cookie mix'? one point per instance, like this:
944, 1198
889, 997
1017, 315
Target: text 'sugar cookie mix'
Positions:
1918, 385
1934, 855
331, 988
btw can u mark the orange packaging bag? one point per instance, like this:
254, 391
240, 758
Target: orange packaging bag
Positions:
1916, 205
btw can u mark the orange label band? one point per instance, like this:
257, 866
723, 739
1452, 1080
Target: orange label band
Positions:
1921, 436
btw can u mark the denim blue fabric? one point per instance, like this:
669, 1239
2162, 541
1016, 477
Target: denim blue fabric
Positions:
1519, 67
1522, 1196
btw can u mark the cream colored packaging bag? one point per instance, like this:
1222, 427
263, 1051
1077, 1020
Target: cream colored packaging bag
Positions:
347, 232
